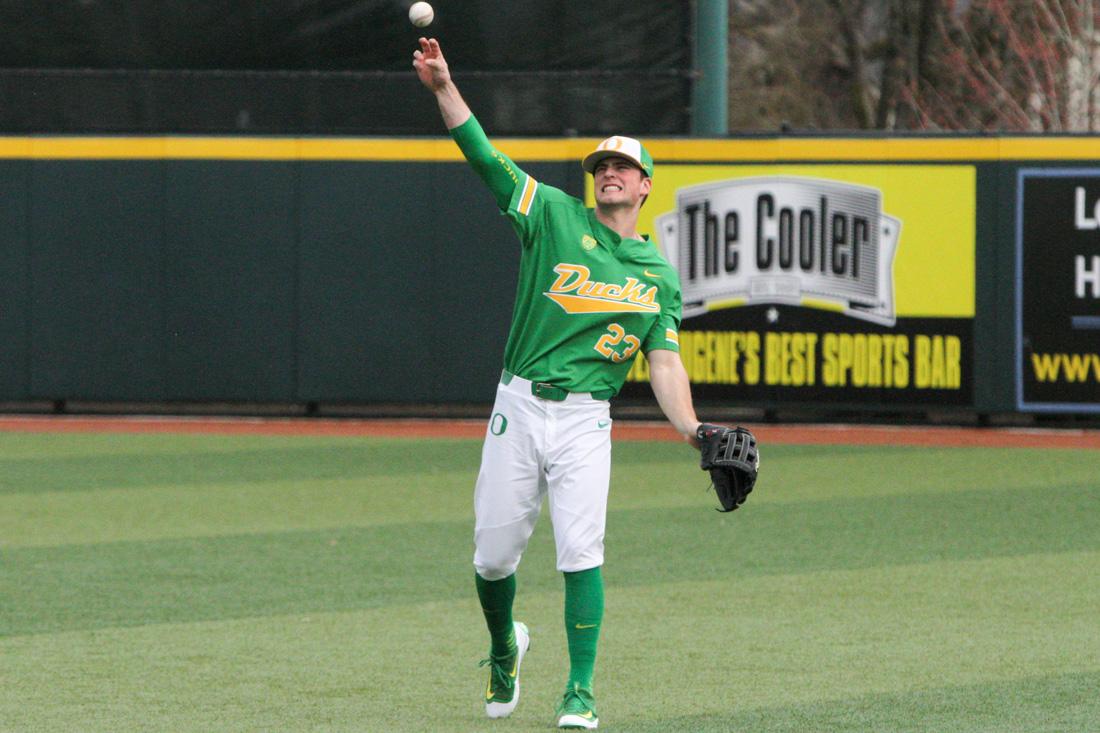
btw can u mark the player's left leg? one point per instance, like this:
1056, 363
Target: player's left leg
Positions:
578, 477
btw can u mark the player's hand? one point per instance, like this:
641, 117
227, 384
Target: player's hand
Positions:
430, 65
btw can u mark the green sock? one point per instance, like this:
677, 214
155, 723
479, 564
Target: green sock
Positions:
583, 615
496, 603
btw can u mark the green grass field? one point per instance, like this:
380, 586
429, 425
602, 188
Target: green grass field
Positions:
214, 583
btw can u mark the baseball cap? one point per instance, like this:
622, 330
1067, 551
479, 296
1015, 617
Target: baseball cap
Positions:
626, 147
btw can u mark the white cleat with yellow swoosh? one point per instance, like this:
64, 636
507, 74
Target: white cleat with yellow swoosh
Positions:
577, 709
502, 692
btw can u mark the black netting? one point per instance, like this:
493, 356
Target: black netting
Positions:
382, 103
528, 67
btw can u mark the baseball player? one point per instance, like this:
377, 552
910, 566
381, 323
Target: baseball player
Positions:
593, 293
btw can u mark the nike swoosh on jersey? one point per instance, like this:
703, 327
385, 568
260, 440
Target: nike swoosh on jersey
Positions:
647, 273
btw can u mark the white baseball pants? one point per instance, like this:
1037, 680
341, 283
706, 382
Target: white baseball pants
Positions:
533, 448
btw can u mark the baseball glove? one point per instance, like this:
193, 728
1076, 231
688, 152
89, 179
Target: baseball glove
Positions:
731, 458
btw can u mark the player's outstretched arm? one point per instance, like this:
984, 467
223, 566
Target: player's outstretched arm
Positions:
432, 70
672, 389
500, 174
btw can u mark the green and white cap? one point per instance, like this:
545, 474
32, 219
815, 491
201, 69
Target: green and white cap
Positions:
625, 147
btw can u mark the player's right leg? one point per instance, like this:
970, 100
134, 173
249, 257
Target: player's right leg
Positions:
506, 506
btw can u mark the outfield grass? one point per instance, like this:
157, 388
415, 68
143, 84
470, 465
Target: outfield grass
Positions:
214, 583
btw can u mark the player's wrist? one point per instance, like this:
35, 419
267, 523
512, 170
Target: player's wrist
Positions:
446, 91
452, 106
689, 430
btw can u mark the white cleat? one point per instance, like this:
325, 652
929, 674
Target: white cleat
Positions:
578, 709
502, 693
578, 722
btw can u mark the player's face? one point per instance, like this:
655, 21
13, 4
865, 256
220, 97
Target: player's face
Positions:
619, 182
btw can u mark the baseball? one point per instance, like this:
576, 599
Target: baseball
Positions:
421, 14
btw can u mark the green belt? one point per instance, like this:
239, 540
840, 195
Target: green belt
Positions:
545, 391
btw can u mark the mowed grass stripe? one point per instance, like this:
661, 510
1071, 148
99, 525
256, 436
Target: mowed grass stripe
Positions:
652, 475
36, 446
56, 463
282, 484
255, 461
811, 642
990, 644
174, 512
1054, 703
133, 583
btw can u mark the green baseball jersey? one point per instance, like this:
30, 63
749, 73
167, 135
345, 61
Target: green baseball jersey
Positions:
588, 301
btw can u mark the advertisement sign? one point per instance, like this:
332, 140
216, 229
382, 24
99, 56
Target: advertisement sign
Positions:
1058, 290
820, 283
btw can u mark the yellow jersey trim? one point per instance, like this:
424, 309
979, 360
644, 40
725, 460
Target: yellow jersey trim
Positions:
527, 198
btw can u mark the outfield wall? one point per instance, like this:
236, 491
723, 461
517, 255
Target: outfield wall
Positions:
863, 273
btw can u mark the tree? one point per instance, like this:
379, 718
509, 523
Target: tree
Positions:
887, 48
785, 68
1012, 65
832, 64
991, 65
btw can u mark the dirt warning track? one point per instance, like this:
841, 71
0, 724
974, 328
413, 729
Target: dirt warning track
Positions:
623, 430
